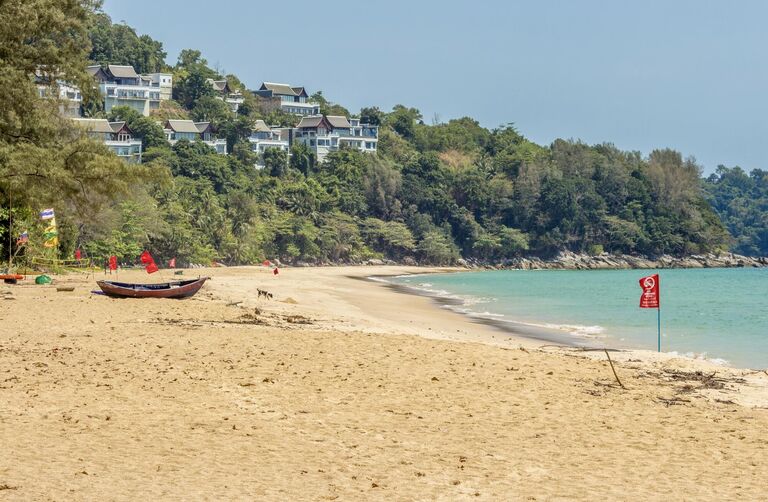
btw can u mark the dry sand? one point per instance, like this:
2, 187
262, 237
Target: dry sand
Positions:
325, 393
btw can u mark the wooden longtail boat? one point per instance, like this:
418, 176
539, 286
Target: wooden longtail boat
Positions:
173, 289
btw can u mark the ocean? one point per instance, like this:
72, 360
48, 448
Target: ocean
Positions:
717, 314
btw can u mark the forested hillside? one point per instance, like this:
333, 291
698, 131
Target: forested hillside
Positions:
741, 200
434, 193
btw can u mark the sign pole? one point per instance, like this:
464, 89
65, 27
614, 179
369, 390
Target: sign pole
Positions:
658, 319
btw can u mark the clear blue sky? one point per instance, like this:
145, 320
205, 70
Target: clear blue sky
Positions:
690, 75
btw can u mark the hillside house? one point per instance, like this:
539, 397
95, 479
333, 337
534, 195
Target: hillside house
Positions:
176, 130
287, 98
115, 135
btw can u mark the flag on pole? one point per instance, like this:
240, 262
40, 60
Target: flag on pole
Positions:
23, 238
113, 262
650, 297
51, 234
147, 260
78, 254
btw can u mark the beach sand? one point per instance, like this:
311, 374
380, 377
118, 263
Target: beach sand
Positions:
343, 389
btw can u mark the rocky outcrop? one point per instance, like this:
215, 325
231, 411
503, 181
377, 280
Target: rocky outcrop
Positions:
574, 261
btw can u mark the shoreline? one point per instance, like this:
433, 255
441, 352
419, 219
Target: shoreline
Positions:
541, 336
514, 329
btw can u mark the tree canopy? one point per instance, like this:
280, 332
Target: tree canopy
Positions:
434, 193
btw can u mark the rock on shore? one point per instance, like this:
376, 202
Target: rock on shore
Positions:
574, 261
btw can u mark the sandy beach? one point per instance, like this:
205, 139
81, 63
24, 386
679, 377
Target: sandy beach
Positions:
340, 388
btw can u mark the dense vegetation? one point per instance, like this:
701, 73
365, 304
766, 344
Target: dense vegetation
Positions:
741, 200
434, 193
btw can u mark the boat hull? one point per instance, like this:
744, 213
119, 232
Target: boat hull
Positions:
173, 289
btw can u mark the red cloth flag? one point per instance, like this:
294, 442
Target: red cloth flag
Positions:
650, 299
147, 260
172, 263
77, 254
113, 262
276, 271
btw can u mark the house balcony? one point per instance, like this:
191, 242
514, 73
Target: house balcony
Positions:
298, 108
129, 150
130, 92
260, 145
220, 145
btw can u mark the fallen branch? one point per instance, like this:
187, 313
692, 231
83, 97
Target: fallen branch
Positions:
673, 401
614, 369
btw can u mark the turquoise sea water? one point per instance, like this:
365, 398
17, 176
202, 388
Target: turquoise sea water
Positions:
720, 314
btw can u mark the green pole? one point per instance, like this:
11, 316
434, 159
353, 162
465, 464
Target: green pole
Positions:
658, 319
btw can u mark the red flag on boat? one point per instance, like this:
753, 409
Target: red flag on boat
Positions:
113, 262
276, 271
77, 254
172, 263
650, 297
147, 260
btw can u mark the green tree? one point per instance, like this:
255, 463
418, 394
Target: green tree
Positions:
191, 76
403, 121
44, 159
276, 162
302, 158
211, 109
119, 44
372, 115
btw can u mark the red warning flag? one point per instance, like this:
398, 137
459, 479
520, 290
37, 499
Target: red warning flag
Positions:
650, 297
147, 260
113, 262
78, 255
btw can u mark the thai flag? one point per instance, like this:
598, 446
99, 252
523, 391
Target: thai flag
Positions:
47, 214
23, 238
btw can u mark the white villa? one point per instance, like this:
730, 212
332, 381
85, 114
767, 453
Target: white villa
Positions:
122, 86
176, 130
326, 134
234, 98
291, 99
69, 96
264, 137
115, 135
